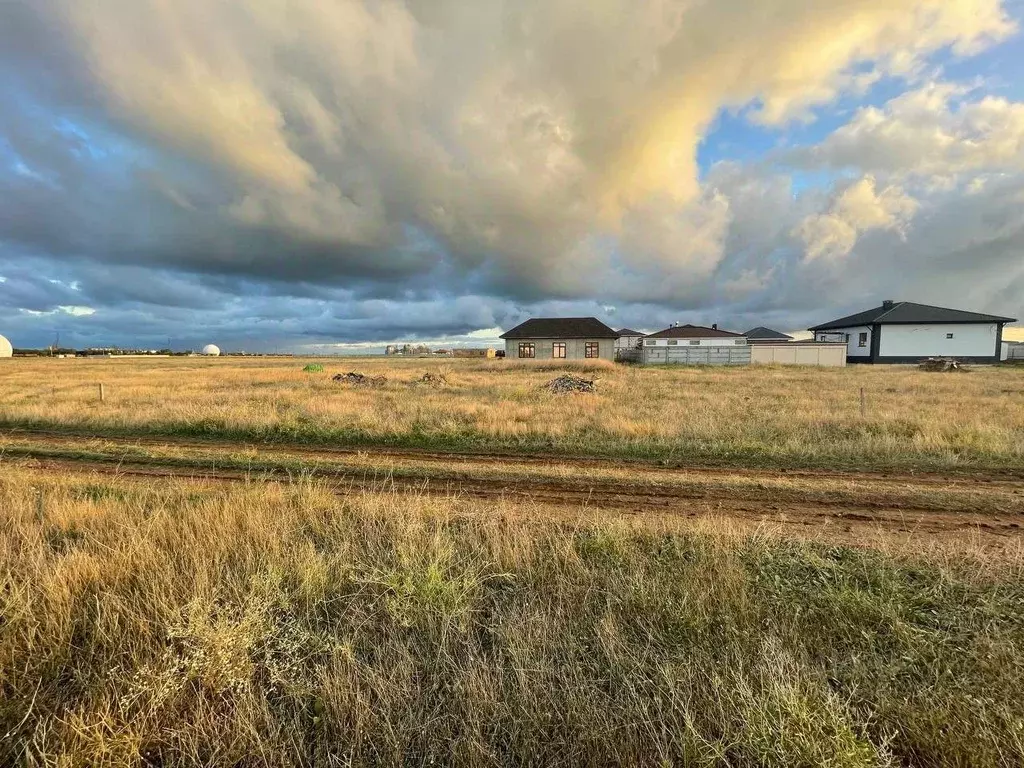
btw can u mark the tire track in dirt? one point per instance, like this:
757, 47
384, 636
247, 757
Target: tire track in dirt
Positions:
552, 492
994, 478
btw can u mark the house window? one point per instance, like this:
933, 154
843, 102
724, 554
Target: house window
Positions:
846, 338
673, 342
862, 340
558, 350
527, 349
695, 343
592, 349
650, 342
741, 341
949, 335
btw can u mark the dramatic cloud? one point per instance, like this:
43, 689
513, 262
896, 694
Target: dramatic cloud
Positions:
932, 132
291, 172
858, 208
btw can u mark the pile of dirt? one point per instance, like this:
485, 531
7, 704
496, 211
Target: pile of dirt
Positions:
569, 383
359, 379
942, 365
433, 380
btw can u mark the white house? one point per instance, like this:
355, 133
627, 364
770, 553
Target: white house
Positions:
905, 332
696, 345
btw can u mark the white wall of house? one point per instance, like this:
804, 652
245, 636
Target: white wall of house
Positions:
716, 342
853, 347
968, 340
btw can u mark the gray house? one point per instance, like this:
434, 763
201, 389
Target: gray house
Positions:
560, 338
762, 335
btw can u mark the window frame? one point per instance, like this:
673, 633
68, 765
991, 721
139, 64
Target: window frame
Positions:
694, 342
527, 346
556, 348
591, 349
949, 335
862, 339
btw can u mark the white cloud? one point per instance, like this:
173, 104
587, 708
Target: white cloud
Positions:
936, 132
859, 208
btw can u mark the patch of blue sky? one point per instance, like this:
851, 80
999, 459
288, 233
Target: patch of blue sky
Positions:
98, 144
735, 137
1000, 68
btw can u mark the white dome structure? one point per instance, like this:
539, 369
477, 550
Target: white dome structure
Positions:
6, 350
212, 350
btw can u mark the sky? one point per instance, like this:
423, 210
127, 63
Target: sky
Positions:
332, 175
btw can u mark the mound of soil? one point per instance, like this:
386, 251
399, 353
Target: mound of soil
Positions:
433, 380
568, 383
942, 365
359, 379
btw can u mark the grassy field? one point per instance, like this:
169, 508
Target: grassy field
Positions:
175, 623
760, 416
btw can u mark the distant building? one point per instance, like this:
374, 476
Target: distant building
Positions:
696, 345
487, 352
561, 338
905, 332
628, 338
762, 335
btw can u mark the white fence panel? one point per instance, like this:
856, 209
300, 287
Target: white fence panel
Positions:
831, 355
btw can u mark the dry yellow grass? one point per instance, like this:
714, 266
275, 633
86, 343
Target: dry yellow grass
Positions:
772, 415
174, 623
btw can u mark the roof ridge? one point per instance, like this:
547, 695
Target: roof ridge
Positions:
895, 304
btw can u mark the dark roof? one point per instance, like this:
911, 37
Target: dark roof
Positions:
628, 332
765, 333
561, 328
907, 312
692, 332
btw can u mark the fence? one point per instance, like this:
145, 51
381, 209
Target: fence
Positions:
831, 355
627, 354
688, 355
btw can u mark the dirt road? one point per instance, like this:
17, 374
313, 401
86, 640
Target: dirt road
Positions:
842, 506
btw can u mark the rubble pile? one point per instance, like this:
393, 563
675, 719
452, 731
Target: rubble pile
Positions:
433, 380
359, 379
942, 365
568, 383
